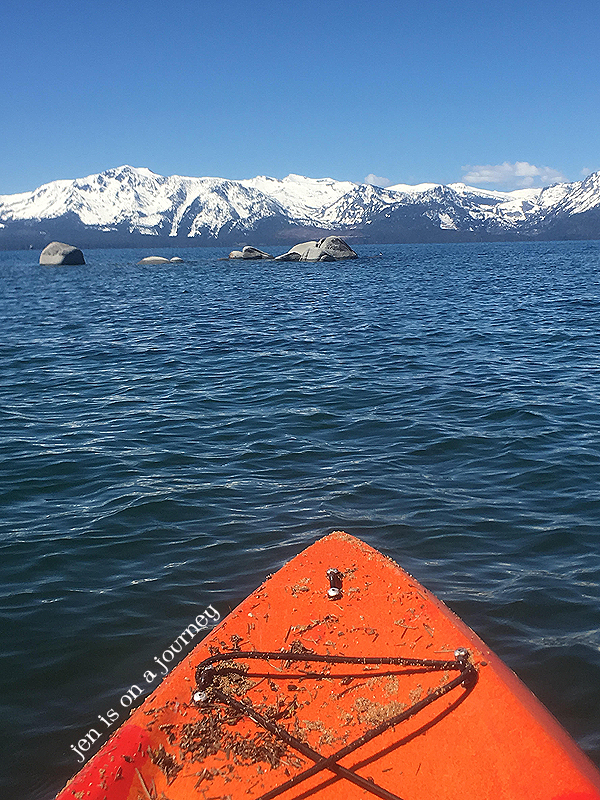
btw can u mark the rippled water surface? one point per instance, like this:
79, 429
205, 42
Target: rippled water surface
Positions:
172, 434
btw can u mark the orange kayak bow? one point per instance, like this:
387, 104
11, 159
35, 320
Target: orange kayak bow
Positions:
340, 676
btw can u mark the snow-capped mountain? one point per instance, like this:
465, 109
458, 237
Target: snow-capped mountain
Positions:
134, 206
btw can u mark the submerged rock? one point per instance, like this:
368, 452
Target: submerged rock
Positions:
331, 248
154, 260
58, 253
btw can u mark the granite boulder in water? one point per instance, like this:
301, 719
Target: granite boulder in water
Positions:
331, 248
154, 260
58, 253
249, 253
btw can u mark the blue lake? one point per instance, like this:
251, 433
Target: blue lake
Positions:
172, 434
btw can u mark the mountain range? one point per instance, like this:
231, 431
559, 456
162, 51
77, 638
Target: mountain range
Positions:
134, 207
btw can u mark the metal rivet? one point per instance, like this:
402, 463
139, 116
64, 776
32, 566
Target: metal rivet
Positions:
335, 581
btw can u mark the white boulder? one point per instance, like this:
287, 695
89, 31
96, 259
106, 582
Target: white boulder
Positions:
58, 253
331, 248
253, 253
249, 253
154, 260
291, 255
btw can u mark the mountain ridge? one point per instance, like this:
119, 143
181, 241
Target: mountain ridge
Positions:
133, 206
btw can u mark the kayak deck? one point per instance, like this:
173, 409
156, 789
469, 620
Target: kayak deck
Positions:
432, 722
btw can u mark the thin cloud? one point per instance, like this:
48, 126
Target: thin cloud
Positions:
375, 180
520, 175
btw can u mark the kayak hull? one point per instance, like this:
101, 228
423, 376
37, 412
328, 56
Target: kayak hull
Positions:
488, 736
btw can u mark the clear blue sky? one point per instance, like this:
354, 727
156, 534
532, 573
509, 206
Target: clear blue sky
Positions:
409, 91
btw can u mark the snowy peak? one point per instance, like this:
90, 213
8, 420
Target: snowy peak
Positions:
125, 202
299, 196
575, 198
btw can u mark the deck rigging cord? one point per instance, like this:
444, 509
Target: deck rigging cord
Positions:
206, 691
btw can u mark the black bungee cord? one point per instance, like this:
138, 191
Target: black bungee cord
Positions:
206, 690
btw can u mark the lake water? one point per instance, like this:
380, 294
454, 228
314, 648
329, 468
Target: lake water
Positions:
172, 434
